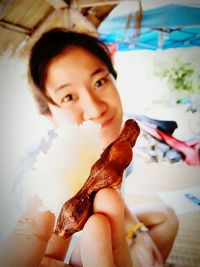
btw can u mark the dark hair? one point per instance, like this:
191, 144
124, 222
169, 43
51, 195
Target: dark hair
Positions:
51, 44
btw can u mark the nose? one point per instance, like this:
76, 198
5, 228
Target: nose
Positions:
93, 106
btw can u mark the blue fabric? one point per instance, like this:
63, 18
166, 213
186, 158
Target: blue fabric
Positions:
179, 24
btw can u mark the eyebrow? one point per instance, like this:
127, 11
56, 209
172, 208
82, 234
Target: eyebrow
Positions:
101, 69
98, 70
61, 87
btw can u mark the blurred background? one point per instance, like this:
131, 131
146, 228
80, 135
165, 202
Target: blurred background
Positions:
155, 47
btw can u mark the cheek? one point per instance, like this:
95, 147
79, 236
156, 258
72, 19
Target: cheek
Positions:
119, 112
116, 102
115, 97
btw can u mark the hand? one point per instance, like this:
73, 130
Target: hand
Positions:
29, 241
144, 252
104, 234
32, 242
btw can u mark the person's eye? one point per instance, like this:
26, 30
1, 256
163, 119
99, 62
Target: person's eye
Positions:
67, 98
101, 82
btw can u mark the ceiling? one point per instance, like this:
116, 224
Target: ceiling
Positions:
22, 21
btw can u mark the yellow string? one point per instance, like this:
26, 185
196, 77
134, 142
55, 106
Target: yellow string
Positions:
134, 228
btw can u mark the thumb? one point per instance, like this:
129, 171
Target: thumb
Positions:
110, 203
26, 244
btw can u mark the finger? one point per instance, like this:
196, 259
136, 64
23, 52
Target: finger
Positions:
27, 243
141, 254
109, 202
95, 244
158, 256
57, 247
144, 252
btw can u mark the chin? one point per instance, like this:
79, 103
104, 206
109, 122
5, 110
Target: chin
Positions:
106, 141
107, 138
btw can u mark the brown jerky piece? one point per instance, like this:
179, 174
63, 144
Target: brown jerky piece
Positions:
106, 172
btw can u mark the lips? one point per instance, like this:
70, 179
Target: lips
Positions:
107, 122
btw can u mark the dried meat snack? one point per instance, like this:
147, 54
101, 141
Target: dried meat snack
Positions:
106, 172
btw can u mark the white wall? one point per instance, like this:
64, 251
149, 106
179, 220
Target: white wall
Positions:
20, 122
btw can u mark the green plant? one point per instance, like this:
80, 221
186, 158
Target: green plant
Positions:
182, 77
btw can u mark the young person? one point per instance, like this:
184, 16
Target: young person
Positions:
73, 80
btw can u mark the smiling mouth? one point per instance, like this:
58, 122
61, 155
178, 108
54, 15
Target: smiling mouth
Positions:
107, 123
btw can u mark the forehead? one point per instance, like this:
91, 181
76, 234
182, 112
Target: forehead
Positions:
76, 55
73, 64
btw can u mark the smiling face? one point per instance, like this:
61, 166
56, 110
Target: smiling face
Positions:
83, 89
